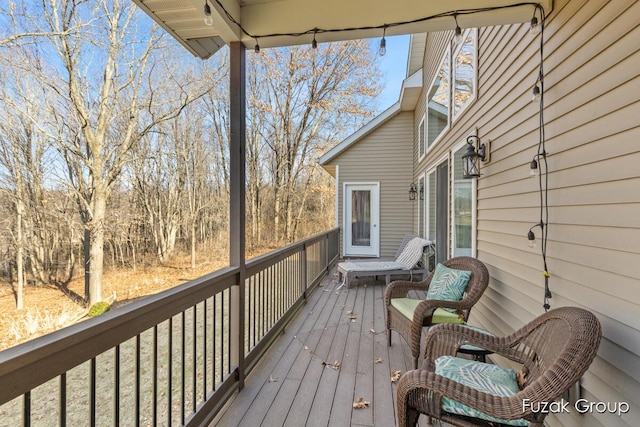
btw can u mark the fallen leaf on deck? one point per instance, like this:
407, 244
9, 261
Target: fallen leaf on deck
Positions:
336, 365
395, 376
373, 331
273, 379
378, 360
350, 311
306, 347
361, 404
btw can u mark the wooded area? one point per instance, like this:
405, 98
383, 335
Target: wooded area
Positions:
114, 142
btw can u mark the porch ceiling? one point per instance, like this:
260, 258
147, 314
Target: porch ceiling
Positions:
333, 19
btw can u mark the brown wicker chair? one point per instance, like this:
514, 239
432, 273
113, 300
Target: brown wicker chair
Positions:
555, 350
411, 329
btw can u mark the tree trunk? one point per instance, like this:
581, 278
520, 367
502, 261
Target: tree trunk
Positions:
19, 256
96, 248
193, 244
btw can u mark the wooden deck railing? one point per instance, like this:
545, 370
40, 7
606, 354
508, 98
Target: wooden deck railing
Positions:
167, 359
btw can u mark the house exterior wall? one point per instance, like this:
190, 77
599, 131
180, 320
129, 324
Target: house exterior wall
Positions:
383, 156
592, 105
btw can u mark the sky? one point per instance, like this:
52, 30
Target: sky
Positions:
394, 69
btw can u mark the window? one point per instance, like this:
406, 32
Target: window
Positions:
464, 73
462, 217
421, 139
438, 103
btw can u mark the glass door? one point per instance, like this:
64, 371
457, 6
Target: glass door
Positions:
362, 213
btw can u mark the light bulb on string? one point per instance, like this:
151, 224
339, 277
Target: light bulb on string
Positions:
457, 38
534, 168
383, 43
535, 27
535, 93
208, 19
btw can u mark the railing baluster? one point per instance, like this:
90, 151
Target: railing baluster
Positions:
92, 391
205, 353
137, 404
182, 371
194, 365
116, 388
63, 399
154, 401
214, 348
170, 373
26, 409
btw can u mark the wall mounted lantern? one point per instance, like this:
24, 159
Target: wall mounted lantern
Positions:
412, 192
472, 158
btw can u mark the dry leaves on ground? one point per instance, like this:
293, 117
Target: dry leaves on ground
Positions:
336, 365
360, 404
395, 376
273, 379
378, 360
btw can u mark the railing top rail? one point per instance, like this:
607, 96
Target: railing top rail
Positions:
258, 263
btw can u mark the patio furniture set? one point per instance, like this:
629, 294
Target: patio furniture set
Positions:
534, 365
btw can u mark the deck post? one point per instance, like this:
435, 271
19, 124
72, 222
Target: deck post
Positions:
237, 147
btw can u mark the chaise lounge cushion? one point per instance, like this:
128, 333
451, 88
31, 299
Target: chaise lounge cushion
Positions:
484, 377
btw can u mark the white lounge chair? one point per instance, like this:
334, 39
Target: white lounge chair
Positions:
407, 262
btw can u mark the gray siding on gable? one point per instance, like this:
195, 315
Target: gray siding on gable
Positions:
592, 105
383, 156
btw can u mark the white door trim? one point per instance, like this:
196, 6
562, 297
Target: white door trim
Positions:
374, 249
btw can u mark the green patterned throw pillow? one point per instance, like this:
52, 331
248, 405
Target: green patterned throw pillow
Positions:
448, 284
484, 377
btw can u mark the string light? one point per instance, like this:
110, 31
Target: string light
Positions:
383, 43
541, 157
208, 19
314, 42
257, 46
374, 27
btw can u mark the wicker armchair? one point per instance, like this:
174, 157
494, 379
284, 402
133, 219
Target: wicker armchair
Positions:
411, 329
555, 350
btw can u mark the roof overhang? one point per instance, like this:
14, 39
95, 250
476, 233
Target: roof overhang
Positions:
292, 22
410, 91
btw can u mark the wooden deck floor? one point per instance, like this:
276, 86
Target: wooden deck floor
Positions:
296, 384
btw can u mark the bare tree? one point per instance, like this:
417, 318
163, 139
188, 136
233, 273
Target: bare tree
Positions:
303, 99
105, 100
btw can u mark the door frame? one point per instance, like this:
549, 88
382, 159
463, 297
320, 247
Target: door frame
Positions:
349, 250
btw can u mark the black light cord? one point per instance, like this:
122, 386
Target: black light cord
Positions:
453, 13
541, 155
